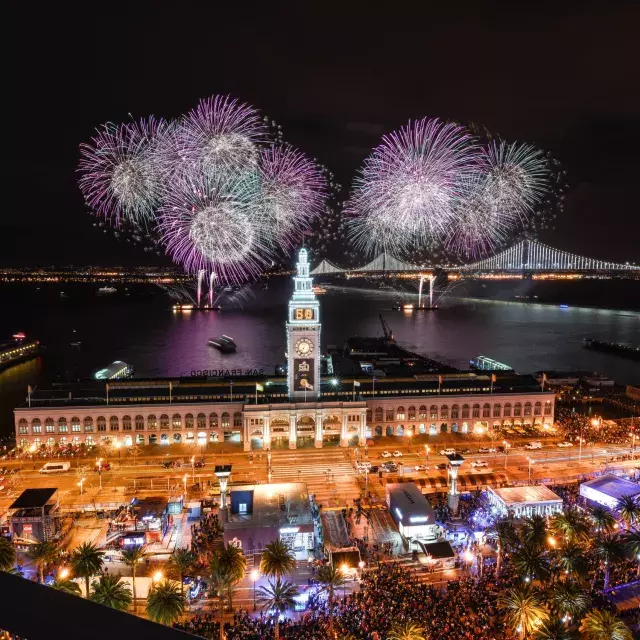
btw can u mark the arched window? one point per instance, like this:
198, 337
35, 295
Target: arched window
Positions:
400, 414
213, 421
164, 421
202, 421
237, 419
455, 412
51, 442
126, 423
486, 410
517, 409
547, 408
507, 410
537, 409
23, 427
465, 411
75, 424
63, 441
36, 426
422, 412
152, 422
226, 420
88, 424
37, 443
188, 421
101, 423
89, 441
433, 412
444, 412
24, 443
476, 411
379, 414
49, 425
527, 408
139, 423
412, 413
113, 423
62, 425
496, 410
176, 421
390, 413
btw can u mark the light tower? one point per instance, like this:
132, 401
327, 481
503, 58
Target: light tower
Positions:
455, 462
222, 472
303, 336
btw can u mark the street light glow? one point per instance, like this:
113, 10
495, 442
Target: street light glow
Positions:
255, 574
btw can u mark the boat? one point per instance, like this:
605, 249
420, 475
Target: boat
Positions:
182, 307
75, 344
17, 350
318, 290
224, 344
103, 291
114, 371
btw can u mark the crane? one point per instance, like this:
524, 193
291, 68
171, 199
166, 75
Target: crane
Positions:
386, 330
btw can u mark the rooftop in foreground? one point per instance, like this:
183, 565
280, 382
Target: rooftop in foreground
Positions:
33, 498
613, 486
526, 495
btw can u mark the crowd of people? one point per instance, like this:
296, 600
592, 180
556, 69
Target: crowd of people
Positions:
206, 532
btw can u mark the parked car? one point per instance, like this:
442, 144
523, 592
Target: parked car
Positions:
199, 464
389, 466
479, 463
442, 465
170, 464
397, 454
448, 452
421, 467
565, 444
385, 454
533, 445
374, 469
466, 452
103, 466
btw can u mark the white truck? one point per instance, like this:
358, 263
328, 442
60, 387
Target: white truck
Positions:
56, 467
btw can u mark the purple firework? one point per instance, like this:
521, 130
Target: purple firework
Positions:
117, 176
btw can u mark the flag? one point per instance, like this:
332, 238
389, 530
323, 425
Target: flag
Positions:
544, 378
29, 389
356, 383
259, 386
439, 379
493, 377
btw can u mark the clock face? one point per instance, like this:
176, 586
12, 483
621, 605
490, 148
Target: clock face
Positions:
304, 346
303, 314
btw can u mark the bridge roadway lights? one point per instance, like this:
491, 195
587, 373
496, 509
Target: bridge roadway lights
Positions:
455, 462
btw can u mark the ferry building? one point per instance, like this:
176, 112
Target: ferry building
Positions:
369, 388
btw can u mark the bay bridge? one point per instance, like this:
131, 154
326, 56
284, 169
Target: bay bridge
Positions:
527, 259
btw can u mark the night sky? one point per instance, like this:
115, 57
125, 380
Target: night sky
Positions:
336, 77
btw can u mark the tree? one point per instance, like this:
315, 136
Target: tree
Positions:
534, 531
277, 596
42, 554
407, 631
67, 586
571, 524
531, 563
571, 598
232, 558
132, 557
331, 578
182, 561
602, 625
507, 539
602, 519
7, 554
554, 630
632, 546
86, 561
570, 558
523, 609
165, 602
629, 510
110, 591
221, 581
277, 560
608, 549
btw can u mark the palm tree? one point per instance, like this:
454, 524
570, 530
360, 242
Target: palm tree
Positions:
608, 549
165, 602
534, 531
523, 609
603, 520
110, 591
331, 579
132, 557
554, 630
182, 561
571, 524
407, 631
571, 598
86, 561
67, 586
629, 510
602, 625
232, 558
530, 562
221, 582
571, 560
278, 596
632, 545
507, 538
277, 560
41, 554
7, 554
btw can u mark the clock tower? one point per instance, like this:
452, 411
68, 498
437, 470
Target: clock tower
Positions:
303, 335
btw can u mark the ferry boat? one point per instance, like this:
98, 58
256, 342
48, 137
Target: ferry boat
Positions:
224, 344
180, 307
17, 350
103, 291
318, 290
114, 371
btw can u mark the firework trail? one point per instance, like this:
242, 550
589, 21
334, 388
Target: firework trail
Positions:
117, 176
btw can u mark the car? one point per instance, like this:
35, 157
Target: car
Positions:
397, 454
479, 463
533, 445
385, 454
364, 464
448, 452
374, 469
565, 444
421, 467
199, 464
442, 465
103, 466
389, 466
484, 450
466, 452
170, 464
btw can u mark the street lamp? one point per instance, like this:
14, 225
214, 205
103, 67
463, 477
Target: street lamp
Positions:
80, 484
99, 465
184, 482
63, 574
361, 567
531, 461
117, 445
426, 451
409, 436
254, 576
193, 469
157, 576
344, 568
469, 558
506, 452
